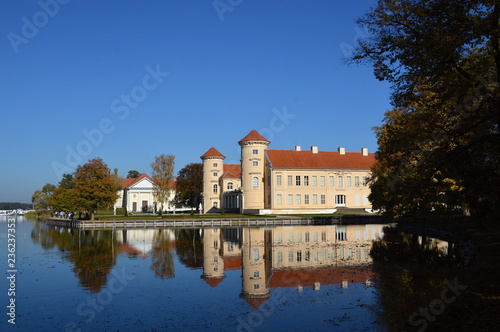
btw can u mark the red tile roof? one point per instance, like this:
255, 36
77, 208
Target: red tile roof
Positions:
253, 136
232, 171
127, 183
232, 263
322, 159
212, 152
213, 282
325, 276
255, 302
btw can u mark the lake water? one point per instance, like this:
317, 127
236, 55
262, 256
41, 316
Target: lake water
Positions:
294, 278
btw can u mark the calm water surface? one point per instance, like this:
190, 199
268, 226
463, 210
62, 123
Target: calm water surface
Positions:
248, 279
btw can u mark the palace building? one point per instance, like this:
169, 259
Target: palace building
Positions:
285, 181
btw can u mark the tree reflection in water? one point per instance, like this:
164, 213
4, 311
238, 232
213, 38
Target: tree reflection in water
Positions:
413, 269
92, 252
162, 261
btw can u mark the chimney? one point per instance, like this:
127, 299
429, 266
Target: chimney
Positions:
298, 148
314, 149
341, 150
364, 151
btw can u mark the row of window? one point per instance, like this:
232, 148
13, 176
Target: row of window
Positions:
298, 237
316, 255
340, 200
307, 180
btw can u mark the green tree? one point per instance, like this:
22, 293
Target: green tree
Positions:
94, 186
162, 175
67, 181
189, 186
42, 198
439, 148
132, 174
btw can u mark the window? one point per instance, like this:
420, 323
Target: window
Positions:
306, 199
229, 186
255, 163
230, 246
256, 274
299, 256
323, 199
290, 180
298, 199
341, 233
307, 237
316, 255
216, 259
348, 181
256, 255
216, 269
299, 237
356, 181
255, 151
216, 189
315, 180
323, 236
331, 181
290, 256
280, 257
297, 180
215, 173
255, 181
216, 244
306, 180
307, 256
290, 199
290, 237
216, 205
341, 181
280, 237
365, 180
321, 180
315, 199
323, 255
214, 165
315, 236
279, 199
340, 200
278, 180
256, 286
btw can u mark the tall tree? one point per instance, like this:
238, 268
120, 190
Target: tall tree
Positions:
67, 181
132, 174
189, 186
95, 187
162, 175
42, 198
440, 147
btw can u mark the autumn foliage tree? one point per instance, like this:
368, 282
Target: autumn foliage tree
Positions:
162, 175
94, 186
439, 148
189, 186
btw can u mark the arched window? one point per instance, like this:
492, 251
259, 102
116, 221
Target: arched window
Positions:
229, 186
216, 188
255, 181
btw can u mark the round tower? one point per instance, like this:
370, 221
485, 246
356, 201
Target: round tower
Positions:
213, 166
213, 262
253, 147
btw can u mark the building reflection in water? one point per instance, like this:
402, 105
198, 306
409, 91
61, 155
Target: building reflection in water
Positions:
294, 256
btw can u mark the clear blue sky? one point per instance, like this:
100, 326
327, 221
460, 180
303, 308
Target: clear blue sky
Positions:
129, 80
